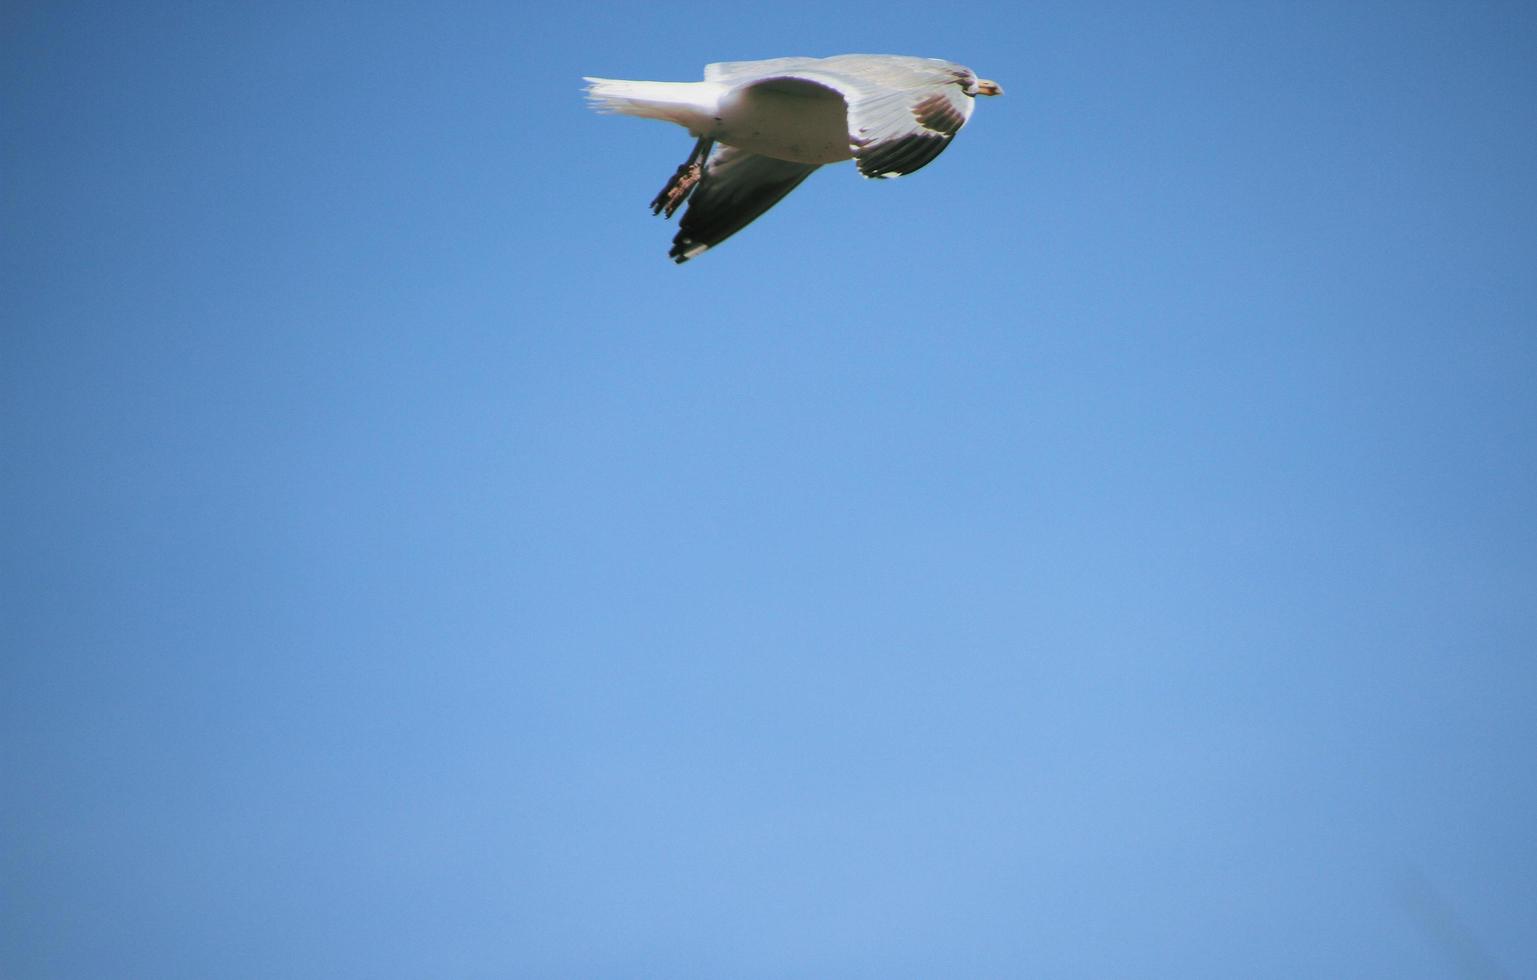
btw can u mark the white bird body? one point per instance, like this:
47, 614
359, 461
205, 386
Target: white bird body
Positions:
776, 121
797, 121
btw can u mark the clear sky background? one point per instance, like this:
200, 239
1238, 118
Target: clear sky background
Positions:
1111, 551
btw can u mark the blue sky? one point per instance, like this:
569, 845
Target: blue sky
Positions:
1110, 551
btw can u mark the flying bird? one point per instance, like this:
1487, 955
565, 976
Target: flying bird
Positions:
762, 127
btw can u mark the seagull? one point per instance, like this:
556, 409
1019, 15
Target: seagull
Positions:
762, 127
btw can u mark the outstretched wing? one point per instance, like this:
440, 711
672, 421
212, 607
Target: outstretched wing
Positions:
902, 112
736, 188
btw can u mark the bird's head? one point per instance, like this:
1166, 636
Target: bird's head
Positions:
984, 86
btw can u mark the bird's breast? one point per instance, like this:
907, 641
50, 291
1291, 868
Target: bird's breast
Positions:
787, 119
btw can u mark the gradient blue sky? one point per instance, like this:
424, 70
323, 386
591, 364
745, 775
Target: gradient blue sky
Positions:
1111, 551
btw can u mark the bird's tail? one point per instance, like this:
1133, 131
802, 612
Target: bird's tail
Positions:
678, 102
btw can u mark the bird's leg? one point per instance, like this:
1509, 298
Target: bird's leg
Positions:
684, 181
